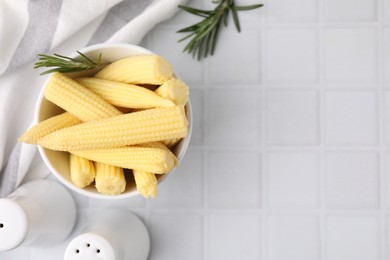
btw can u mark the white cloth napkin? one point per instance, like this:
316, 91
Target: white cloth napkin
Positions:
28, 27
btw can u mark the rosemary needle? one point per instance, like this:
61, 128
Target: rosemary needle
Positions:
204, 34
60, 63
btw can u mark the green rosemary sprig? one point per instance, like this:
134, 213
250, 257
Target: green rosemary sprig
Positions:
62, 63
204, 34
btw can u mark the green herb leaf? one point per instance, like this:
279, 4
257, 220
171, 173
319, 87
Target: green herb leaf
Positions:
235, 19
204, 34
195, 11
247, 7
61, 63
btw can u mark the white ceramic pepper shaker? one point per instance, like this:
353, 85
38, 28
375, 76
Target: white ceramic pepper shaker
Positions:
112, 234
39, 213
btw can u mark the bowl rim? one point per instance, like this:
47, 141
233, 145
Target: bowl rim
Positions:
96, 195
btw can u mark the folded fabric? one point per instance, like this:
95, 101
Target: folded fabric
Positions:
28, 27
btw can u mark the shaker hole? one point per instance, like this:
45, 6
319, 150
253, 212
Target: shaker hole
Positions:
1, 225
88, 245
77, 251
98, 251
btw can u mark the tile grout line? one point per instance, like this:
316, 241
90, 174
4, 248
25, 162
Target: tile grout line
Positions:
263, 136
206, 156
352, 211
296, 148
381, 128
342, 87
205, 210
322, 130
260, 151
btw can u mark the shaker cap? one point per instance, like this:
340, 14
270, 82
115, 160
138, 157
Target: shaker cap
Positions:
90, 246
13, 224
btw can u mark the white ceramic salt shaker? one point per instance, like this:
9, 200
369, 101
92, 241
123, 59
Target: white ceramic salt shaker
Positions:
112, 234
39, 213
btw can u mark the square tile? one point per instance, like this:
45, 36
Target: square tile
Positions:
386, 57
387, 235
188, 69
293, 237
292, 179
184, 188
197, 103
351, 10
176, 236
352, 180
237, 58
387, 178
292, 117
352, 237
233, 237
295, 62
233, 117
386, 117
386, 11
351, 55
234, 180
292, 11
351, 118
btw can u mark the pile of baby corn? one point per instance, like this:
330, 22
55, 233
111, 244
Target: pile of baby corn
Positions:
128, 116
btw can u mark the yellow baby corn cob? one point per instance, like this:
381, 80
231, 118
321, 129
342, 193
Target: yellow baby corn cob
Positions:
175, 90
77, 99
162, 146
87, 106
171, 142
128, 129
140, 69
146, 183
147, 159
82, 171
125, 95
48, 126
109, 180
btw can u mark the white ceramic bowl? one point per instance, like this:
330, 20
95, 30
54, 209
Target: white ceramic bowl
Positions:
58, 162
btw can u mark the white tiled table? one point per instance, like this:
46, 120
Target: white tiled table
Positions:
290, 156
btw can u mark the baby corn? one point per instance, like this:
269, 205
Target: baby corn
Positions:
146, 183
77, 99
87, 106
175, 90
162, 146
48, 126
140, 69
110, 180
147, 159
125, 95
135, 128
171, 142
82, 171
